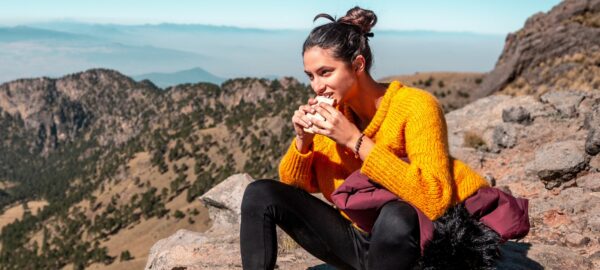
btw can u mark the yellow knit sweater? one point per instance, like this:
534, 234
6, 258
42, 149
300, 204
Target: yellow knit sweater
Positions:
409, 122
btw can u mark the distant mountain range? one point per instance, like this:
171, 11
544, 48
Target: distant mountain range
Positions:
56, 48
193, 75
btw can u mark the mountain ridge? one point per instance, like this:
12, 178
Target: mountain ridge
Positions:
193, 75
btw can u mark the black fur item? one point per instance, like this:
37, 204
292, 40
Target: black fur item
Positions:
460, 242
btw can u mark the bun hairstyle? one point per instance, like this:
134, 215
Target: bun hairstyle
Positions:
347, 36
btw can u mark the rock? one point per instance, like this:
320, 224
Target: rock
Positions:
592, 143
517, 115
592, 116
575, 200
483, 116
594, 223
224, 201
589, 182
577, 240
525, 256
595, 258
218, 248
559, 162
595, 163
565, 102
505, 136
175, 251
521, 256
490, 179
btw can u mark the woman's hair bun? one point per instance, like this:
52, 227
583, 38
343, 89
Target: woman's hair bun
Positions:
363, 18
348, 36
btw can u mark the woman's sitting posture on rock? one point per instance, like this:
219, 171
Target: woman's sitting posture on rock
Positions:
370, 128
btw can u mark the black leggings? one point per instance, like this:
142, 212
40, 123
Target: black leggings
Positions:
322, 231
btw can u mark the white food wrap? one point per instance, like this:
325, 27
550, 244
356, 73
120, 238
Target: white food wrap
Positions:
316, 115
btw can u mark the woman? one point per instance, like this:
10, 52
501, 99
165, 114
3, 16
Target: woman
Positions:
370, 127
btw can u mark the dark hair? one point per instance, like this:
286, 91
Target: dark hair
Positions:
347, 36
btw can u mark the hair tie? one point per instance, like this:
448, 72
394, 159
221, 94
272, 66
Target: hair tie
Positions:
370, 34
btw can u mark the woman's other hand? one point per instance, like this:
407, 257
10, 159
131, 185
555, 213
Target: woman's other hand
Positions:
336, 126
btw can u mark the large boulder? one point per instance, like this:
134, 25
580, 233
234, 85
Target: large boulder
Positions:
559, 162
224, 202
218, 247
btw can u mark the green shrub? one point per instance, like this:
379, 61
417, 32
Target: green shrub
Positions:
178, 214
125, 256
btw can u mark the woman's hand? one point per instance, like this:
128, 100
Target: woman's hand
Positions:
301, 121
336, 126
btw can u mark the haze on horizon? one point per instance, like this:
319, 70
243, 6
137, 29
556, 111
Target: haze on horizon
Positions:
66, 36
491, 17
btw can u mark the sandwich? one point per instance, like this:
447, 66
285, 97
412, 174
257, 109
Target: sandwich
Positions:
316, 115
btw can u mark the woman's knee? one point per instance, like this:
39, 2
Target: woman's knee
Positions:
397, 220
258, 191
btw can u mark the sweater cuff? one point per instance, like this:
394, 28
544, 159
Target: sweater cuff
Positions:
298, 153
297, 166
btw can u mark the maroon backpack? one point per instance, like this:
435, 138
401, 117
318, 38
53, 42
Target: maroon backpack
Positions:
362, 198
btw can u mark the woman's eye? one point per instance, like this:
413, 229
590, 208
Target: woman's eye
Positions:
326, 72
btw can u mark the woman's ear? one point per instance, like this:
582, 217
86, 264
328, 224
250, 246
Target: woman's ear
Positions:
359, 63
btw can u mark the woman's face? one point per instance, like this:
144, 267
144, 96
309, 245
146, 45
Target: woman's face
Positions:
329, 76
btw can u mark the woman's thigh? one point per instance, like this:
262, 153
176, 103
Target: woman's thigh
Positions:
315, 225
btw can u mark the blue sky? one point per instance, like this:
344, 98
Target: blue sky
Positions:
495, 17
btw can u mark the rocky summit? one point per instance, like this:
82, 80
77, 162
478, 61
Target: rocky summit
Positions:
101, 171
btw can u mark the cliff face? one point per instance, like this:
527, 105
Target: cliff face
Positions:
554, 50
63, 110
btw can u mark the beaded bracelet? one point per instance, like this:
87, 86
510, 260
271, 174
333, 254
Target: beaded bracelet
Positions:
358, 142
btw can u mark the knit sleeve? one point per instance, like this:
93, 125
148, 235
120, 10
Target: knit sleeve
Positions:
425, 182
296, 169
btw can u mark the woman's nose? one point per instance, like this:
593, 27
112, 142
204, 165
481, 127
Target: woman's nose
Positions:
319, 87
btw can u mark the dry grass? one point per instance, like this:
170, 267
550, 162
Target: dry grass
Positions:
453, 89
286, 243
16, 211
473, 140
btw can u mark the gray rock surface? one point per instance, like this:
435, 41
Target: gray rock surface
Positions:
565, 102
516, 114
559, 162
590, 182
592, 142
224, 201
504, 136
